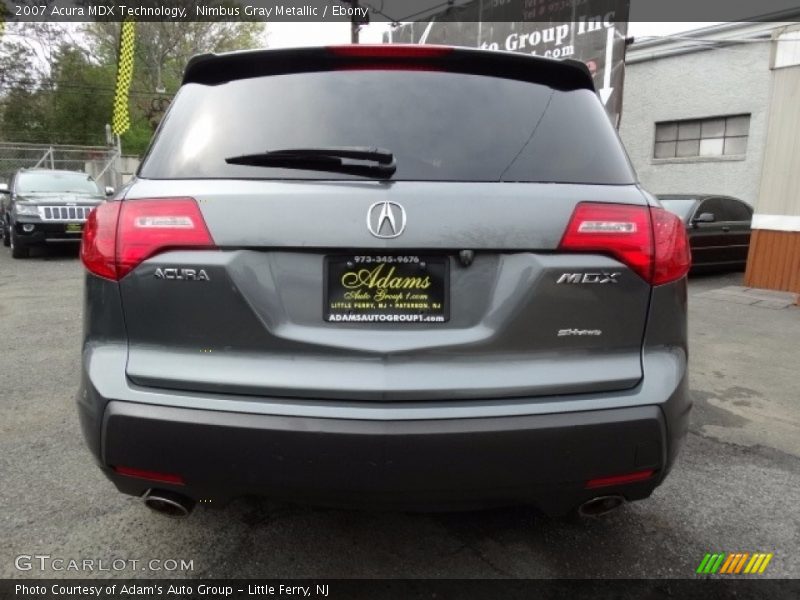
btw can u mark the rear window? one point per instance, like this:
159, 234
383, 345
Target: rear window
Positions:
439, 126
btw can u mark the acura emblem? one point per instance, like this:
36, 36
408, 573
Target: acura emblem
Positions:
386, 219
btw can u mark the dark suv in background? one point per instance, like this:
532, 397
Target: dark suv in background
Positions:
397, 276
42, 206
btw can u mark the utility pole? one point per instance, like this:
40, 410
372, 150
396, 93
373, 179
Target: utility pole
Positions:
354, 23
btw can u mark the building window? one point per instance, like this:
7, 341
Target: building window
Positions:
719, 136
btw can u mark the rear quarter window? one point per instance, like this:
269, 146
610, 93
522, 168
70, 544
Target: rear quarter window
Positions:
440, 126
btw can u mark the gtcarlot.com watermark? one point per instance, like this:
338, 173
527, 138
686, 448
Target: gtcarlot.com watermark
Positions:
49, 563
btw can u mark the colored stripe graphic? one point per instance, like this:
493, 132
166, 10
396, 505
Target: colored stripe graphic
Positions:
740, 564
736, 557
703, 563
754, 560
718, 563
712, 560
734, 563
728, 563
764, 564
714, 563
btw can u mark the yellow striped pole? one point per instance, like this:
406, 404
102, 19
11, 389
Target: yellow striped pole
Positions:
121, 120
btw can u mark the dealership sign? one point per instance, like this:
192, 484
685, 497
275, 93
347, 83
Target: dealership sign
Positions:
592, 31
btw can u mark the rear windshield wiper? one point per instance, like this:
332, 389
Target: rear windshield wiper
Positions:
355, 160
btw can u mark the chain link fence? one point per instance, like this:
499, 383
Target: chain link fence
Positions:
104, 163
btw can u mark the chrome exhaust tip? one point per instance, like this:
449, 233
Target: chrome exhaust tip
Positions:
600, 505
168, 503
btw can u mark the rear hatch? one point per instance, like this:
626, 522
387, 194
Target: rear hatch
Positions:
446, 278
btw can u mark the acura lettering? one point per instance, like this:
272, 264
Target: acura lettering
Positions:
174, 273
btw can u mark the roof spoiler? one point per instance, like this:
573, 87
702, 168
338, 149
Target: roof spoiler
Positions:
216, 69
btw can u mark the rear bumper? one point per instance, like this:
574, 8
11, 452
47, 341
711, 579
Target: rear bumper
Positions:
417, 455
544, 460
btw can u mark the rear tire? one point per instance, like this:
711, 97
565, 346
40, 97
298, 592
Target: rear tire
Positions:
17, 251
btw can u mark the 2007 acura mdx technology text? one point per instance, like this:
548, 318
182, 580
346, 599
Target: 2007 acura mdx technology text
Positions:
407, 277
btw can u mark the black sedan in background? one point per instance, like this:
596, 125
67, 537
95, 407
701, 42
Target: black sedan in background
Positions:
718, 227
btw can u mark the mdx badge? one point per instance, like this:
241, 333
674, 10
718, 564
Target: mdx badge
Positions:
175, 273
602, 277
386, 219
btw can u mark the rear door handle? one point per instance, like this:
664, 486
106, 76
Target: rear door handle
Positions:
726, 228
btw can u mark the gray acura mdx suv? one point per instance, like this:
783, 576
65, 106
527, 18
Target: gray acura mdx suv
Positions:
409, 277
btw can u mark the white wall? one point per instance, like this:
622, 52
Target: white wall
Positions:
724, 81
126, 166
780, 180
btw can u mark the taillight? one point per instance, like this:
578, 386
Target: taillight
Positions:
620, 230
99, 240
120, 235
673, 256
147, 227
390, 51
650, 241
393, 57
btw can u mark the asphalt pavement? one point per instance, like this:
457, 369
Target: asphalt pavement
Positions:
735, 487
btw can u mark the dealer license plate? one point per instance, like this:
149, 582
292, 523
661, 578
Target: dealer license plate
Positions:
370, 288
